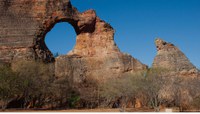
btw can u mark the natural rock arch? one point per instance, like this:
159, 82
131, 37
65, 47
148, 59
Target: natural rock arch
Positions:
95, 50
24, 37
24, 24
81, 22
40, 46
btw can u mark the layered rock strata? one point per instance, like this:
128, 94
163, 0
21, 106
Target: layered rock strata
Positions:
96, 55
169, 57
181, 77
24, 24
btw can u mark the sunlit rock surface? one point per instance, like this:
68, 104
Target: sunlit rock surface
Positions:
24, 24
171, 58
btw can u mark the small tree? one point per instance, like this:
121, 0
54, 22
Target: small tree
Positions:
63, 93
196, 103
8, 85
35, 84
193, 88
186, 92
152, 85
123, 89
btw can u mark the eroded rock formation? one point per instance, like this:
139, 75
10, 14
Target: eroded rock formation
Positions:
24, 24
171, 58
181, 76
96, 55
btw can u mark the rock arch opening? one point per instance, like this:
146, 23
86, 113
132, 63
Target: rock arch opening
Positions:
81, 22
42, 48
61, 39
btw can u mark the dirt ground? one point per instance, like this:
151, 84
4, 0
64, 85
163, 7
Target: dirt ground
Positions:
84, 110
99, 110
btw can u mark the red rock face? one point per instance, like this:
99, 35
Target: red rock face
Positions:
95, 54
24, 24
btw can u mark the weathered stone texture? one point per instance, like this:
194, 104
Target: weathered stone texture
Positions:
171, 58
96, 55
24, 24
19, 22
97, 68
180, 74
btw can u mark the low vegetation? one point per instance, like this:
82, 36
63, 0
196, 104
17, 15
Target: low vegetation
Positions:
142, 86
153, 89
33, 85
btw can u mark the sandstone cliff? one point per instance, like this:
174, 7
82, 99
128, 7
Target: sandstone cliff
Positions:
171, 58
96, 55
180, 84
24, 24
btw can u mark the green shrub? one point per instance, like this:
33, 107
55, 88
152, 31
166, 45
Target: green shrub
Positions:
35, 81
9, 85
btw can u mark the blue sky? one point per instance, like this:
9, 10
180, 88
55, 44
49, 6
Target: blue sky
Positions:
137, 24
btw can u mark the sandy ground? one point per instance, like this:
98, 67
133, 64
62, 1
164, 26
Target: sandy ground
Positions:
84, 110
